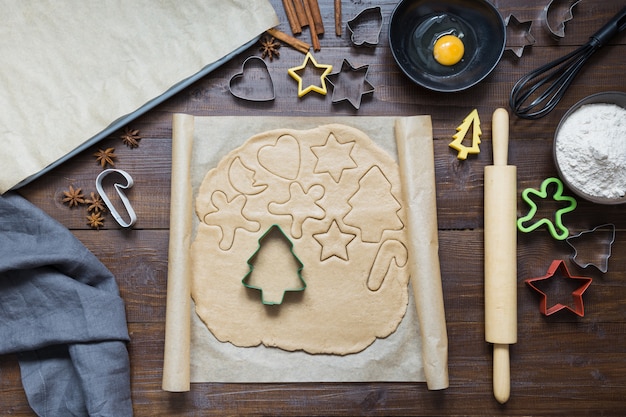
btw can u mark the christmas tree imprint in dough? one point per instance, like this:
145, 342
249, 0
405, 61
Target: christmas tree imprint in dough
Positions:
336, 196
374, 220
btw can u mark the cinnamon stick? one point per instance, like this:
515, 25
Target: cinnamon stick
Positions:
292, 18
289, 40
317, 16
338, 17
300, 13
314, 39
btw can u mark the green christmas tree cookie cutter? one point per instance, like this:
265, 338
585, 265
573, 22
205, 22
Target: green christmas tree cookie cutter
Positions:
246, 278
563, 232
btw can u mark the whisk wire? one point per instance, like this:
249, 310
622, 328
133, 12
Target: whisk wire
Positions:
559, 74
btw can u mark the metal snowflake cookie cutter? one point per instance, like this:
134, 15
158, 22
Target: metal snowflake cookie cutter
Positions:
594, 246
518, 35
557, 268
251, 261
563, 232
350, 84
294, 73
366, 26
119, 188
254, 82
471, 120
556, 14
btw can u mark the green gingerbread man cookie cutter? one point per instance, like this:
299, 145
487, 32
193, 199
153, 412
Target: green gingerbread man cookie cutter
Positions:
562, 232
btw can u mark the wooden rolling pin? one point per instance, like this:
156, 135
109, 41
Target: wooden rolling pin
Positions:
501, 255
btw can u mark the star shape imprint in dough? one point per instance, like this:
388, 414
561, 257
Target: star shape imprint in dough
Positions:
334, 242
333, 157
296, 74
350, 84
558, 270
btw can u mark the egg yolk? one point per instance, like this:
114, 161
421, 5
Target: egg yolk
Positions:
448, 50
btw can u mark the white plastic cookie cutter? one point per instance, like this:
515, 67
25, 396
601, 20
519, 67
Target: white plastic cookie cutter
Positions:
120, 191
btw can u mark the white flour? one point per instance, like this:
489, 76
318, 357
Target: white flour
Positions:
591, 150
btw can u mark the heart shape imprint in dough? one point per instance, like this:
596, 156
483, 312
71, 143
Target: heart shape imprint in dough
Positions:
283, 158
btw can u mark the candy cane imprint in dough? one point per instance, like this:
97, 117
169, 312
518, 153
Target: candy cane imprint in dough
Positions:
391, 252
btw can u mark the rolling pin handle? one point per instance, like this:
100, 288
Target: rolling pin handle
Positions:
501, 373
500, 136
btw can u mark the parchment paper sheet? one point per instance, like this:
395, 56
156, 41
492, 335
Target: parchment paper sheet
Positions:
396, 358
72, 68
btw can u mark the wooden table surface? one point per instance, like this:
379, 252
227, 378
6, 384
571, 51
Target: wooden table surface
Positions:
561, 365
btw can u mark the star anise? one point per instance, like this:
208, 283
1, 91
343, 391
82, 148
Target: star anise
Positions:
96, 205
269, 48
131, 137
105, 156
73, 197
95, 220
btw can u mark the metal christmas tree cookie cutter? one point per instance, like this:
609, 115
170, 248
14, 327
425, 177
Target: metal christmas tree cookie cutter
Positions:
246, 279
119, 188
602, 238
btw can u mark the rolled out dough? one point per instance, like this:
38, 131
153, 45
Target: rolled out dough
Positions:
336, 195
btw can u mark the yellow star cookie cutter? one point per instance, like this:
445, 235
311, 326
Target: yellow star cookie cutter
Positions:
471, 119
293, 72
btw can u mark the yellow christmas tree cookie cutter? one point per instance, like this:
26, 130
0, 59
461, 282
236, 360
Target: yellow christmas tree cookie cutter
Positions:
472, 120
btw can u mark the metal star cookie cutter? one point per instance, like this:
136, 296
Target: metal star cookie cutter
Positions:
246, 278
577, 295
556, 14
293, 72
119, 188
599, 240
557, 196
366, 26
353, 89
518, 35
254, 82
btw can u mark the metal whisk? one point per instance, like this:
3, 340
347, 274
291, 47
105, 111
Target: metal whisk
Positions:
546, 85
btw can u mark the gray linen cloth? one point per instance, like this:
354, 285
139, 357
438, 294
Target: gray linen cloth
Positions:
61, 312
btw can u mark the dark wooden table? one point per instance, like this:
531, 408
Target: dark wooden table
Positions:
561, 365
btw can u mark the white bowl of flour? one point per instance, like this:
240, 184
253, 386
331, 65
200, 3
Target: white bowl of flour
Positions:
590, 148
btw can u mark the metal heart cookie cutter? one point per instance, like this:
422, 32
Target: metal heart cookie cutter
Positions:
120, 192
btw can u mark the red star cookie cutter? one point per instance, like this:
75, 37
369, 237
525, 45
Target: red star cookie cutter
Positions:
558, 269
